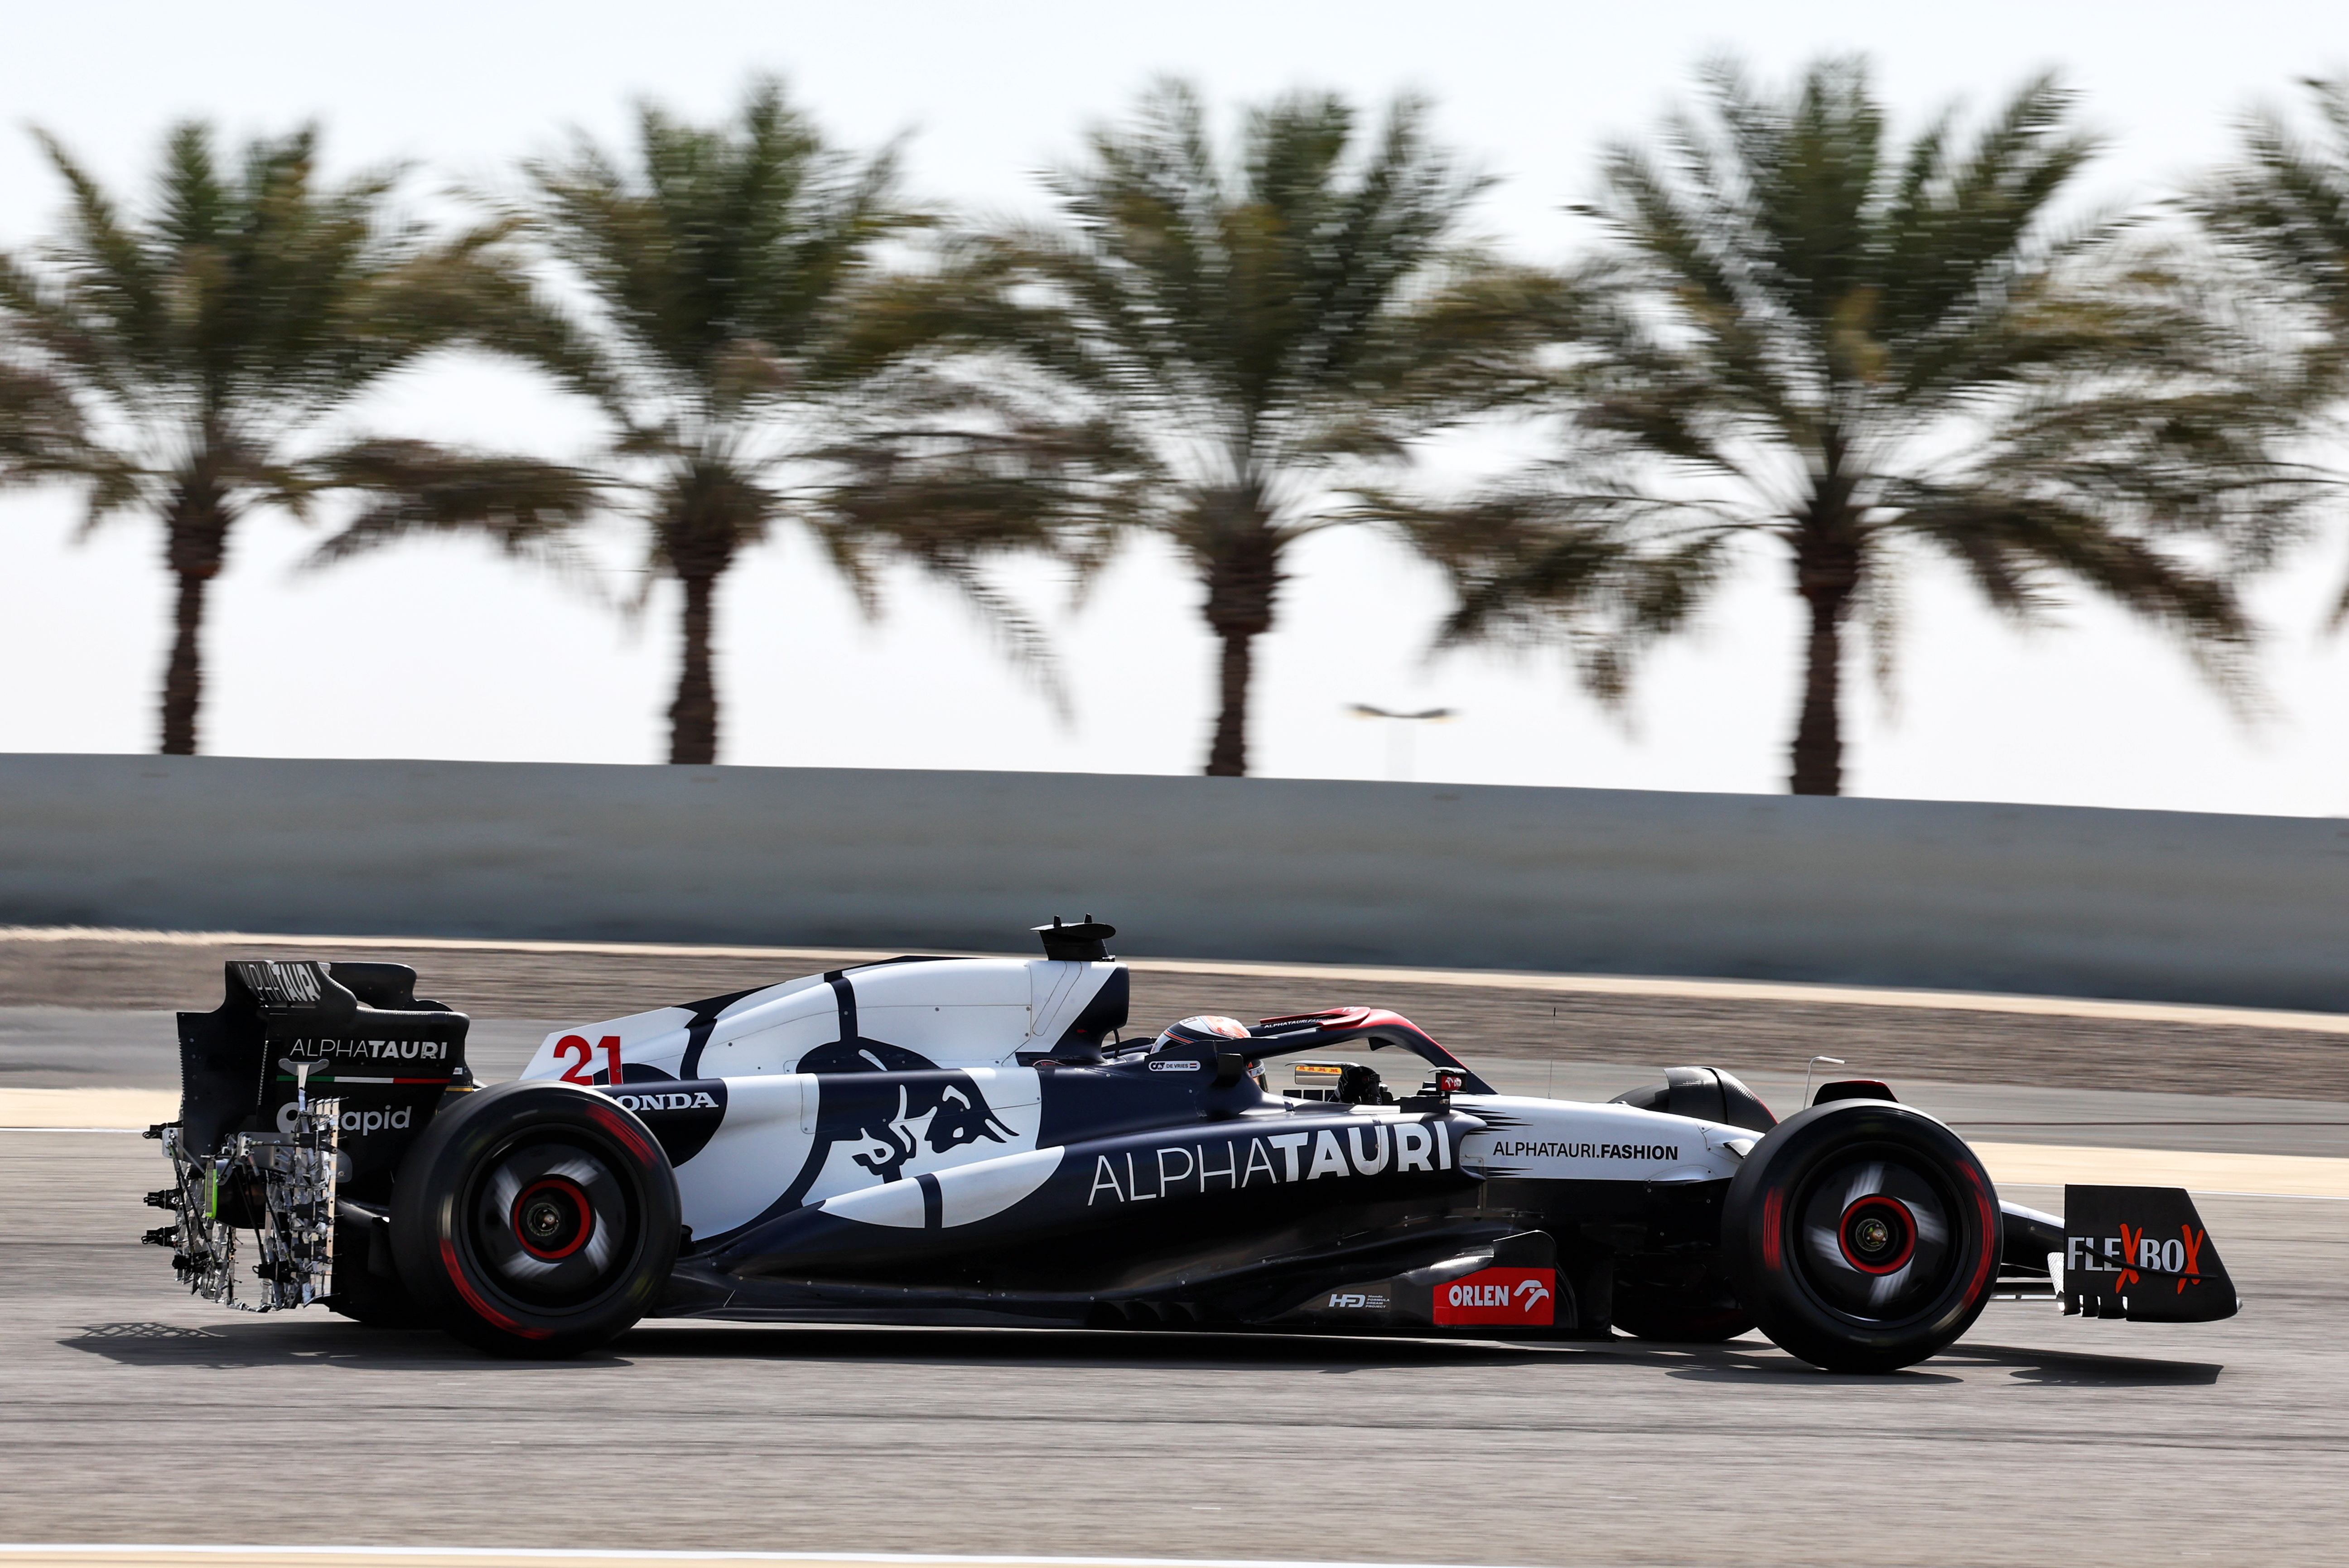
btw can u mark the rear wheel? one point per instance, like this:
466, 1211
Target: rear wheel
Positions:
536, 1219
1862, 1236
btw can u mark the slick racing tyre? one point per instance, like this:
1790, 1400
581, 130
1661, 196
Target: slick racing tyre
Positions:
1862, 1236
536, 1219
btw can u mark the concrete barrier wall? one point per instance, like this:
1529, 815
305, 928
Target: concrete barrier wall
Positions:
2152, 905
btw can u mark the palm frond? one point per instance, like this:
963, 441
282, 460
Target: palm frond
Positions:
1531, 571
529, 509
245, 303
1300, 308
42, 434
719, 241
2287, 197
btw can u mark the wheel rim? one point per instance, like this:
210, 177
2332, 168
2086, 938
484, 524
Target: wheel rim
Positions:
552, 1222
1877, 1236
553, 1218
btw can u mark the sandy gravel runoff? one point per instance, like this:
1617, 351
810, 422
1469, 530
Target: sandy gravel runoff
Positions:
1748, 1028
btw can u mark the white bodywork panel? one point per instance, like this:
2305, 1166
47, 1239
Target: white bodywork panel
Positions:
958, 1013
784, 1036
814, 1104
735, 1175
1575, 1140
972, 1017
965, 1197
764, 1146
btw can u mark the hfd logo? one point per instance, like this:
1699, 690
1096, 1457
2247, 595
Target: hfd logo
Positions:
1518, 1296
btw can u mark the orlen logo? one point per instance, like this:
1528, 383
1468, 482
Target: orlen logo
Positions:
1519, 1296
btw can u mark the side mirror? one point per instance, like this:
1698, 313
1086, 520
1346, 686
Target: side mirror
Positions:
1231, 1066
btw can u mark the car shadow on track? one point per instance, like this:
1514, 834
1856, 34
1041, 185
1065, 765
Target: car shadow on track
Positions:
240, 1344
334, 1342
337, 1343
1069, 1346
2086, 1369
1756, 1362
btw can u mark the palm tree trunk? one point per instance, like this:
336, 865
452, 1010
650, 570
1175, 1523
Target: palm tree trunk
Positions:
1243, 576
183, 677
1227, 756
195, 540
693, 717
1826, 573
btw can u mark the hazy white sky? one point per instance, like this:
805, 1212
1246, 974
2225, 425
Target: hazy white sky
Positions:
443, 651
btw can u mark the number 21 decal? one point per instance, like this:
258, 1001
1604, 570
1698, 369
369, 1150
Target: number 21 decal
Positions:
580, 1071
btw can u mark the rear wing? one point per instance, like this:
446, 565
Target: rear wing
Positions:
357, 1029
2140, 1253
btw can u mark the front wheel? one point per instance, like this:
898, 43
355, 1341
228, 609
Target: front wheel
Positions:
1862, 1236
536, 1219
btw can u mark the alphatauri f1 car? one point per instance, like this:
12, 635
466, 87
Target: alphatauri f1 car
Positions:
956, 1140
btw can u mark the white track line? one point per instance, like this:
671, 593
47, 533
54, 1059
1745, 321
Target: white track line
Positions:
86, 1110
1506, 980
558, 1554
2198, 1170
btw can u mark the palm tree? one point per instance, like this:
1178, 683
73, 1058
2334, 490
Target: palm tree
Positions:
2284, 209
1231, 344
737, 334
1858, 351
203, 342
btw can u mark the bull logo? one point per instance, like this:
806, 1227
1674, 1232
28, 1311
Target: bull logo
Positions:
884, 1106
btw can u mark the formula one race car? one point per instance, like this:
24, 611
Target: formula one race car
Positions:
976, 1140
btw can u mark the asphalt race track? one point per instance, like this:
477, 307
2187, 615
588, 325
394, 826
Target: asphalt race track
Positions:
130, 1412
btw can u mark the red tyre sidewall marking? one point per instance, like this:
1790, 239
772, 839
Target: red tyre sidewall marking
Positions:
1987, 1208
488, 1314
630, 1139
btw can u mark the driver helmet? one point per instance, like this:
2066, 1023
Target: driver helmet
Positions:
1200, 1029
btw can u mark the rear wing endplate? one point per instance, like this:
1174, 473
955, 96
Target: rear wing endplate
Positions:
355, 1033
2140, 1253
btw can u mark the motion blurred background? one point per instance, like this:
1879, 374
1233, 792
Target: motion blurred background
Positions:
440, 649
